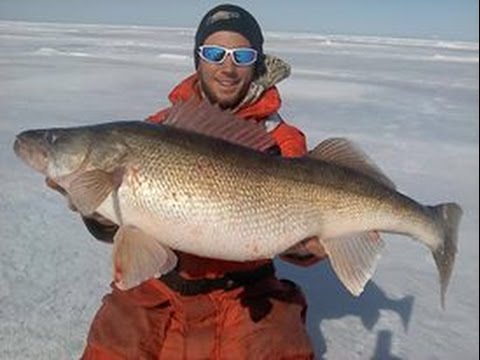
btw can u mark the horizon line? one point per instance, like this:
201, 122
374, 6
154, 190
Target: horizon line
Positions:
267, 31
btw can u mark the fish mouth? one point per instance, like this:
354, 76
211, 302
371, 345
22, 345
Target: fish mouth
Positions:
31, 149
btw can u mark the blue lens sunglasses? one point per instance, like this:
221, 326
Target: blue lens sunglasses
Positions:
216, 54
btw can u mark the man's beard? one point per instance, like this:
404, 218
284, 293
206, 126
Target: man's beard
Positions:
209, 94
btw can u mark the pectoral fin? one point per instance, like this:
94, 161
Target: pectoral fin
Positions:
90, 189
354, 258
138, 256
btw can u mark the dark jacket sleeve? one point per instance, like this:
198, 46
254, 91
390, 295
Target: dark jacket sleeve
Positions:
100, 228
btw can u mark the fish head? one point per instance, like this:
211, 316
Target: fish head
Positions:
53, 152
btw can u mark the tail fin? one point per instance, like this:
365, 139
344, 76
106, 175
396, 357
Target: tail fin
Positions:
447, 217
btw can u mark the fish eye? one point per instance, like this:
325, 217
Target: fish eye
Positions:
50, 137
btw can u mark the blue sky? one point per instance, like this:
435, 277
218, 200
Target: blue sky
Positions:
443, 19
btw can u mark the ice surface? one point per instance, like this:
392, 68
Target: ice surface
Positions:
412, 104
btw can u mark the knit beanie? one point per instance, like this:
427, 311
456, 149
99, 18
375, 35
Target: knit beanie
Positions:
230, 18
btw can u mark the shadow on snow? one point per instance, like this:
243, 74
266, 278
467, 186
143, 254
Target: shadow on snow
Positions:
328, 299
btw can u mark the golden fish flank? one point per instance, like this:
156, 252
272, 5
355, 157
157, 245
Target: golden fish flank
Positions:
210, 194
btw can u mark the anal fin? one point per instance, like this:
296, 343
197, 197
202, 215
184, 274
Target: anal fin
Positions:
354, 258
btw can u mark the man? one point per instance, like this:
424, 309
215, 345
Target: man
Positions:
208, 308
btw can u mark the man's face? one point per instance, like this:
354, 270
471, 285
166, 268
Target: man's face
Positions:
225, 84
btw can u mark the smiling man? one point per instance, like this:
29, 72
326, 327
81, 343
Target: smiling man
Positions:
210, 308
226, 84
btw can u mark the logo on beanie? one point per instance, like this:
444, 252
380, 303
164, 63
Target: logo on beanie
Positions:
222, 16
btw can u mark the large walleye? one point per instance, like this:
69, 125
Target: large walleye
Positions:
168, 187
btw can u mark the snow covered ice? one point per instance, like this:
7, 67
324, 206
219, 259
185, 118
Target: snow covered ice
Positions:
412, 104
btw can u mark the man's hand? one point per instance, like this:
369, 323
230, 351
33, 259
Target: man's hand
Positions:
305, 253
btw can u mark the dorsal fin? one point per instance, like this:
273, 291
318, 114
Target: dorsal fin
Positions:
343, 152
204, 118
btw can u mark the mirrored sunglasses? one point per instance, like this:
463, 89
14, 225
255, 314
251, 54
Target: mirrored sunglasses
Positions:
215, 54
